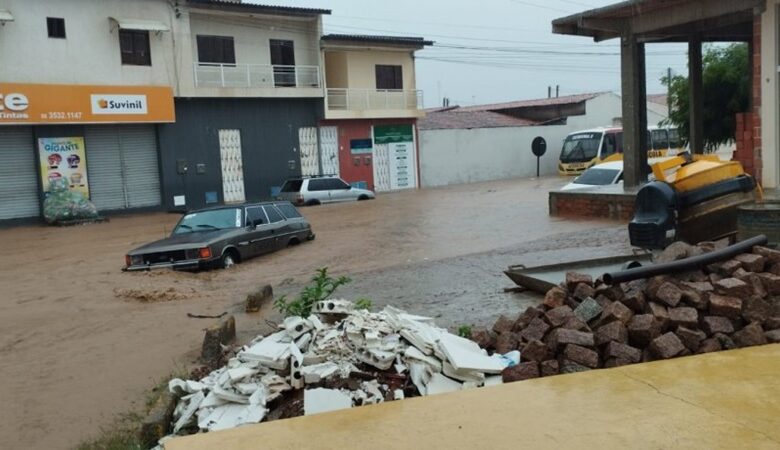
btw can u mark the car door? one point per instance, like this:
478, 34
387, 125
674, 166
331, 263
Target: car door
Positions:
339, 190
318, 189
276, 228
258, 231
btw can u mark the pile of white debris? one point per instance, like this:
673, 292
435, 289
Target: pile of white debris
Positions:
386, 355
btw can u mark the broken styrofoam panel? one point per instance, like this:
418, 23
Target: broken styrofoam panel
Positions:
413, 353
421, 374
303, 342
333, 307
463, 375
439, 384
240, 373
322, 400
374, 394
398, 394
180, 387
212, 400
296, 361
380, 359
192, 403
494, 380
259, 396
465, 354
296, 326
470, 385
247, 388
231, 416
318, 372
269, 353
230, 396
315, 322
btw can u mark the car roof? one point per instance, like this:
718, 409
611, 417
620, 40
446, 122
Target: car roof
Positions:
238, 205
619, 164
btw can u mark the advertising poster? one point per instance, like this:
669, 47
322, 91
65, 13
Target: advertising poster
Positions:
64, 157
402, 166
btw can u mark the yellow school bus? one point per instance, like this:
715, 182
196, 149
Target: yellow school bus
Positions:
583, 149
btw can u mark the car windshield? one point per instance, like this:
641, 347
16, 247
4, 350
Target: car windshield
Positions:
580, 147
217, 219
597, 177
292, 186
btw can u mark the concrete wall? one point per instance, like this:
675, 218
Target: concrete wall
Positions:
769, 131
481, 154
336, 72
266, 149
90, 52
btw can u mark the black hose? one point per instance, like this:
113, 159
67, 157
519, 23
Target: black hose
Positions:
684, 265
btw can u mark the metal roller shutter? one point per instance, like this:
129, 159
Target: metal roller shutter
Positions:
123, 167
19, 196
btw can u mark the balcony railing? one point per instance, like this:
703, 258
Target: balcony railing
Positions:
256, 76
372, 99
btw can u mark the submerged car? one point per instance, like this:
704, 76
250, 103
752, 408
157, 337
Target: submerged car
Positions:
318, 190
607, 173
223, 236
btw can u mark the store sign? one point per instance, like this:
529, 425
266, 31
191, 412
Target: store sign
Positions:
61, 103
402, 166
361, 146
118, 104
63, 157
386, 134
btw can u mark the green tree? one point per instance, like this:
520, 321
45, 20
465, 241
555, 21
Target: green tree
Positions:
726, 87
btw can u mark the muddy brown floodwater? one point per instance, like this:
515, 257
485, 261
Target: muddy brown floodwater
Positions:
80, 341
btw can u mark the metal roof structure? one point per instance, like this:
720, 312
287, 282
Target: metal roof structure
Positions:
459, 119
409, 41
239, 6
553, 101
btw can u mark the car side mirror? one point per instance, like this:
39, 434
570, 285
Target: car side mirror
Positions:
349, 187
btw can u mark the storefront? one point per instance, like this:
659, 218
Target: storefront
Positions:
379, 154
102, 139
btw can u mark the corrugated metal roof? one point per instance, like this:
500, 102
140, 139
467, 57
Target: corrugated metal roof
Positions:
237, 5
459, 119
366, 38
566, 100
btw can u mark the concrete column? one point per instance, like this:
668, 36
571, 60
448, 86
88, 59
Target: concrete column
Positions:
634, 97
695, 96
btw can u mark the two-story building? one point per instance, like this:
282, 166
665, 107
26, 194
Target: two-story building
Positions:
152, 103
371, 109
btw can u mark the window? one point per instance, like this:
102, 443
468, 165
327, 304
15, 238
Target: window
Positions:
389, 77
288, 210
56, 27
319, 185
283, 54
292, 186
134, 45
255, 215
660, 140
216, 49
273, 214
337, 184
608, 147
674, 138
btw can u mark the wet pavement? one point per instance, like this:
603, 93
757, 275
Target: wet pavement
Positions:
81, 341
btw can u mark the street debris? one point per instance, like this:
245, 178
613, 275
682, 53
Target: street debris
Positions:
206, 316
339, 356
584, 324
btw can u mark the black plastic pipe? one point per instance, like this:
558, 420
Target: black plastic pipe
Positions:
684, 265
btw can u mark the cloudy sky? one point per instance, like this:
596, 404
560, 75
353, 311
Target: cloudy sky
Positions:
496, 50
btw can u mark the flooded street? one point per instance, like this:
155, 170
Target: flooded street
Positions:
81, 341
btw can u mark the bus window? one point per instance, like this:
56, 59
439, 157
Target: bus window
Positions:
674, 138
660, 140
619, 141
608, 147
580, 147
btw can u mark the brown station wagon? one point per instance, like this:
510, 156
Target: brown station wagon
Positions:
223, 236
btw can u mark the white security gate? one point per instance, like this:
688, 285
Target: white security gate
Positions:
329, 150
19, 195
232, 166
122, 166
307, 138
382, 167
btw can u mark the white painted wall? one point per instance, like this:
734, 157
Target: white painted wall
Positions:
770, 117
90, 53
482, 154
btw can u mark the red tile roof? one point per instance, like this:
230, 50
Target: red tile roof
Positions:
566, 100
460, 119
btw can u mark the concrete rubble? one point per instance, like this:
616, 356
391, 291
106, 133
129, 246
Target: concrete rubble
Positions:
584, 324
339, 357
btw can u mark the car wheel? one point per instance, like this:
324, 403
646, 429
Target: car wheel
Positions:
363, 197
312, 203
228, 260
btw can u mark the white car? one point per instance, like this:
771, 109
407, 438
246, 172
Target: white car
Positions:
607, 173
318, 190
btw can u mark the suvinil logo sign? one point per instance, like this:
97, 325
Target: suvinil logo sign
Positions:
118, 104
13, 106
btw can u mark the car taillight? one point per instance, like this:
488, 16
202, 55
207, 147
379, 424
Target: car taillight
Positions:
299, 199
128, 260
204, 253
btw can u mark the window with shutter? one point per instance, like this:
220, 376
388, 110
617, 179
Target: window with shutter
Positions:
389, 77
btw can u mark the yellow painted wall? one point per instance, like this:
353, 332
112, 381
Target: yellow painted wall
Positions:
362, 73
336, 73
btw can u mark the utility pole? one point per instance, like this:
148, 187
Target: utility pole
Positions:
557, 90
669, 92
549, 91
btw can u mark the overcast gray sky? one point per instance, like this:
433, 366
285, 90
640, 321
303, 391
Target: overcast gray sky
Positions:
496, 50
